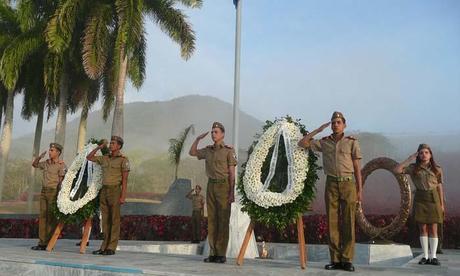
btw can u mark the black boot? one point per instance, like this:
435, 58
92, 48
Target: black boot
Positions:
98, 252
210, 259
424, 261
348, 267
333, 266
221, 259
38, 247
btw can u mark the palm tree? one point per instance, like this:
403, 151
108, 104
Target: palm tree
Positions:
176, 146
9, 31
114, 40
86, 93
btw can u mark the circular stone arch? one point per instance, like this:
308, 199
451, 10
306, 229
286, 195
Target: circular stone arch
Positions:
388, 231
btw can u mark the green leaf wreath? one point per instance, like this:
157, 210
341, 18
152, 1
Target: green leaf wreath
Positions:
280, 216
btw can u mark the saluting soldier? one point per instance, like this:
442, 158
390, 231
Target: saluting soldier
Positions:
115, 170
220, 169
341, 164
54, 170
197, 212
429, 203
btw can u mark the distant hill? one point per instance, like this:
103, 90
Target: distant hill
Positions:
149, 125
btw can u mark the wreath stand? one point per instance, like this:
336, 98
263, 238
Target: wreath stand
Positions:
300, 238
84, 239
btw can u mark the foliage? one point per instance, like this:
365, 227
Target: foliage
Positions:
176, 145
280, 216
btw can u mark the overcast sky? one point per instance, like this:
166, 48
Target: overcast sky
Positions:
389, 66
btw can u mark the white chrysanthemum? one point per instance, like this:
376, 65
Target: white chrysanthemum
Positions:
64, 204
253, 186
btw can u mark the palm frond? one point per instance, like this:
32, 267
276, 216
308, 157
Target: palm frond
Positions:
176, 145
15, 55
96, 41
52, 73
174, 23
191, 3
60, 27
136, 66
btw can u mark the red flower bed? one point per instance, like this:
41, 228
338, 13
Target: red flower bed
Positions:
178, 228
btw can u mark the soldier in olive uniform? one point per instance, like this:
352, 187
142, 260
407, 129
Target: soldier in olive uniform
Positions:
115, 170
220, 169
429, 198
341, 164
197, 213
53, 173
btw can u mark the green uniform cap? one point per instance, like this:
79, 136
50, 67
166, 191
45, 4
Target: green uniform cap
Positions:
337, 115
218, 125
56, 146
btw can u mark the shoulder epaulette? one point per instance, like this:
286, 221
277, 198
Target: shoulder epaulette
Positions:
325, 137
229, 146
351, 137
209, 146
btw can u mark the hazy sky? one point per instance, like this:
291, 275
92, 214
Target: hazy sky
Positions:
390, 66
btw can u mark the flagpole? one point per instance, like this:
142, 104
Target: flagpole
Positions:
236, 86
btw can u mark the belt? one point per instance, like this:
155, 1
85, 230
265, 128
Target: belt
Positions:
340, 178
217, 181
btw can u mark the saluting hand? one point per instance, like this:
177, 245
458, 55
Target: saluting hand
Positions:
324, 126
413, 156
103, 144
201, 136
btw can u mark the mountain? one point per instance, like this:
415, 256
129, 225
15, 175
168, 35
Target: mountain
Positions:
150, 125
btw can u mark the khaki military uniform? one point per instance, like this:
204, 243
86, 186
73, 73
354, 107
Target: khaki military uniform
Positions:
52, 171
218, 158
197, 215
109, 197
427, 202
340, 193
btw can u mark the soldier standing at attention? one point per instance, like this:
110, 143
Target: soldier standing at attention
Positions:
341, 164
53, 173
197, 213
220, 169
115, 170
429, 198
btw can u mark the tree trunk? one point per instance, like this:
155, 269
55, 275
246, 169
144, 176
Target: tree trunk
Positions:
117, 123
5, 142
82, 128
35, 153
61, 119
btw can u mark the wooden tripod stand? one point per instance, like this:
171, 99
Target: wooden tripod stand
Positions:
84, 239
300, 237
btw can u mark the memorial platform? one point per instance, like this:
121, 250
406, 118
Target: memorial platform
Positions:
180, 258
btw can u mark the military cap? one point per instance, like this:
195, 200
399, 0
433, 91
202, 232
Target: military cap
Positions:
423, 146
337, 115
218, 125
56, 146
118, 139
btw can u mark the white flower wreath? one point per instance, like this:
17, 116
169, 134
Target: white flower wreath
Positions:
64, 202
297, 166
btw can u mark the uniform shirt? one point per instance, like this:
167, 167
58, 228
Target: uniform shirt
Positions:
425, 179
197, 201
51, 172
218, 158
337, 156
112, 168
